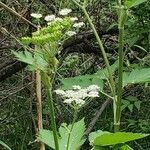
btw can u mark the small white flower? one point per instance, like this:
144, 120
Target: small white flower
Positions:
58, 19
79, 101
79, 24
69, 93
70, 33
49, 17
76, 87
65, 11
37, 16
93, 94
73, 18
93, 88
60, 92
68, 101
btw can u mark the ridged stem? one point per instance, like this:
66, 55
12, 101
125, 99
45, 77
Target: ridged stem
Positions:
117, 102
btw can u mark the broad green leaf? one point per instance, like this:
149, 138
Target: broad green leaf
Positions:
100, 148
5, 145
86, 80
83, 81
136, 76
76, 135
46, 136
76, 140
25, 57
95, 134
130, 107
103, 73
133, 3
138, 105
117, 138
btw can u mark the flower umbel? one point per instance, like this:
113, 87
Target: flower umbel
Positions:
70, 33
36, 15
65, 11
49, 18
79, 24
77, 95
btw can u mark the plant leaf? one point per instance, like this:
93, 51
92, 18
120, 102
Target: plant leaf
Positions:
126, 147
95, 134
86, 80
136, 76
76, 140
46, 136
5, 145
137, 105
83, 81
25, 57
117, 138
132, 3
76, 135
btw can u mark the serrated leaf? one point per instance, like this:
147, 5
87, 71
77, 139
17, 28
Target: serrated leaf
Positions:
5, 145
137, 105
76, 135
117, 138
46, 136
76, 140
95, 134
133, 3
130, 107
136, 76
25, 57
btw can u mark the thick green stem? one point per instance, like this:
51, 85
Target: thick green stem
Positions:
52, 116
102, 50
118, 100
73, 122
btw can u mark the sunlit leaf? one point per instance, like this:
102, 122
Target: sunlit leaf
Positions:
117, 138
76, 135
133, 3
136, 76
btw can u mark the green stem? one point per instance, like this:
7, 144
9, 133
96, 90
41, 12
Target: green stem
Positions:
118, 100
102, 50
73, 122
52, 116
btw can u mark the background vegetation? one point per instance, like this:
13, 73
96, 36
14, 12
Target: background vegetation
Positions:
18, 117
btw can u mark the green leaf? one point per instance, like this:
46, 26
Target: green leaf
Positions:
5, 145
136, 76
25, 57
130, 107
126, 147
95, 134
46, 137
83, 81
76, 135
103, 73
117, 138
137, 105
86, 80
133, 3
76, 140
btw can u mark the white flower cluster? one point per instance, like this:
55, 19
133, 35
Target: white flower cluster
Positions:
65, 11
78, 94
36, 15
62, 12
